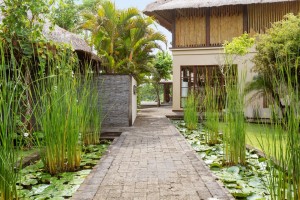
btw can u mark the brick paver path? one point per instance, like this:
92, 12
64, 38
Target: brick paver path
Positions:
151, 160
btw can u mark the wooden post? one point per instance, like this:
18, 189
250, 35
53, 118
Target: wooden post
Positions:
245, 19
208, 27
166, 92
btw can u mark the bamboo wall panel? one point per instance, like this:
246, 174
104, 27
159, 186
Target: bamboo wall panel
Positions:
225, 23
260, 16
190, 28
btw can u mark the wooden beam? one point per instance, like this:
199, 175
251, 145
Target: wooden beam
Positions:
163, 21
208, 27
245, 19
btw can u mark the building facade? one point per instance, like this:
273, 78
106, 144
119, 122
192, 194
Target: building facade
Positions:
200, 27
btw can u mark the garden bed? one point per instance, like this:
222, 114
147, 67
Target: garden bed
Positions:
36, 183
243, 182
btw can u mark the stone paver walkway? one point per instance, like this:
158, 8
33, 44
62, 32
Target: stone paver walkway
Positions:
151, 160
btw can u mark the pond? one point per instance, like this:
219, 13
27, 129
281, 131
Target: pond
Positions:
36, 183
243, 182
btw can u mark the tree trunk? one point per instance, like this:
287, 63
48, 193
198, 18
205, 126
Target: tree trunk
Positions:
156, 87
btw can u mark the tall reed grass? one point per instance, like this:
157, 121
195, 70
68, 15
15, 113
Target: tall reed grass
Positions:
10, 78
284, 159
92, 111
191, 111
212, 116
66, 110
234, 137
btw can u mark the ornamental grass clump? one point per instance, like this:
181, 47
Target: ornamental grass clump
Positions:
59, 115
235, 133
92, 111
191, 111
234, 136
212, 116
10, 78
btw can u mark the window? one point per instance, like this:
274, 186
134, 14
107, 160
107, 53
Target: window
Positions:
196, 77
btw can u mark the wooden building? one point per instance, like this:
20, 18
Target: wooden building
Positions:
200, 27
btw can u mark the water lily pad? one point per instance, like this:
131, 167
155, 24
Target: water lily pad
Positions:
29, 181
38, 189
84, 172
255, 182
240, 194
41, 197
215, 165
76, 181
231, 185
233, 170
229, 180
23, 193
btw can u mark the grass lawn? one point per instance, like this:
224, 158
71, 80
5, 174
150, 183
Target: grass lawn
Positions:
261, 136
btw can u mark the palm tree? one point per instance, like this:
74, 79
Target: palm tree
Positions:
123, 38
139, 41
106, 27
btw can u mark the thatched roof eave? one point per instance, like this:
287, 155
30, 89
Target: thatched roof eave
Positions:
164, 5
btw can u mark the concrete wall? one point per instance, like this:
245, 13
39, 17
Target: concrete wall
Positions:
212, 56
116, 100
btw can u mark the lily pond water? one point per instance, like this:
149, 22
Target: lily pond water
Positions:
243, 182
36, 183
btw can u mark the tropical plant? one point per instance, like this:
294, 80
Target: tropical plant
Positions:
22, 25
90, 5
123, 38
162, 64
191, 111
279, 42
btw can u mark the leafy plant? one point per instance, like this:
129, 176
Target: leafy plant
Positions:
191, 111
280, 42
65, 14
162, 65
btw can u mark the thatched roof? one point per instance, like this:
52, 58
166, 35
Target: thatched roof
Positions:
180, 4
60, 35
162, 9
